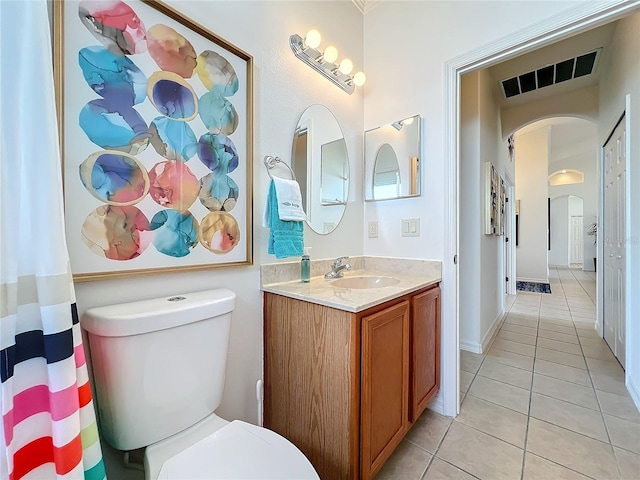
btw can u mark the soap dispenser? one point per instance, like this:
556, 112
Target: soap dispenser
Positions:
305, 266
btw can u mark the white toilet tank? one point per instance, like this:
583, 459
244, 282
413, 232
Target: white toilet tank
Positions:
158, 365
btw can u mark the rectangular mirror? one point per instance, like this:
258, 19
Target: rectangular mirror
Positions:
392, 160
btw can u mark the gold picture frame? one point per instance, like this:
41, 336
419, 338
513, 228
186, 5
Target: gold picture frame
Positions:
156, 134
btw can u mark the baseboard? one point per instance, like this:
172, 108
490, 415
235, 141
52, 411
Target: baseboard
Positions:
533, 280
634, 391
436, 404
473, 347
486, 340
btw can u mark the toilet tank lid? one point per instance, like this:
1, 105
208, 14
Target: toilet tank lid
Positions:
144, 316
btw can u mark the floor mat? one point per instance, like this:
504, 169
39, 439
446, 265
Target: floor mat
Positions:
533, 287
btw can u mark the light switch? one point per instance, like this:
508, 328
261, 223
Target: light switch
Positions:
410, 227
373, 229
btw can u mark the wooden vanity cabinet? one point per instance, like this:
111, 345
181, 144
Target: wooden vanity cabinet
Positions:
425, 350
384, 390
345, 387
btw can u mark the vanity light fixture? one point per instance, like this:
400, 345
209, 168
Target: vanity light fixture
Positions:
323, 62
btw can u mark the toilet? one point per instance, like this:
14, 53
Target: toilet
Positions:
159, 371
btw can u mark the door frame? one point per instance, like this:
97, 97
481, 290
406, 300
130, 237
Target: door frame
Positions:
510, 233
572, 22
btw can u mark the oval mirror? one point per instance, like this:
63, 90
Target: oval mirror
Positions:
321, 164
386, 174
392, 160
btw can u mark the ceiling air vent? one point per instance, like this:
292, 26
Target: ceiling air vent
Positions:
551, 74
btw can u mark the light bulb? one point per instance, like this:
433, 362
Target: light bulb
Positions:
564, 171
359, 79
407, 121
330, 54
346, 66
312, 39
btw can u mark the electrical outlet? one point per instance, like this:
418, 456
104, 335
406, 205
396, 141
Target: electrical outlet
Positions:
373, 229
410, 227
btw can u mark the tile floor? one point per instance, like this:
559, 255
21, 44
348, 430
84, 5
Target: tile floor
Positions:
546, 402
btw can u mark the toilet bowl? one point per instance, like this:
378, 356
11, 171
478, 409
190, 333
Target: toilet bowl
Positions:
159, 370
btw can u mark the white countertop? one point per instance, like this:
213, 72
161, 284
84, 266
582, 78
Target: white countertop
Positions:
323, 292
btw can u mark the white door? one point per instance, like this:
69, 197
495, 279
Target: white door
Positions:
614, 271
576, 240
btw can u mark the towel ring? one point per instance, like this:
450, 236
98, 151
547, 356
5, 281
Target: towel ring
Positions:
270, 162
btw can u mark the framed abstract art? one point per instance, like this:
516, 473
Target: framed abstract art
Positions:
155, 116
492, 200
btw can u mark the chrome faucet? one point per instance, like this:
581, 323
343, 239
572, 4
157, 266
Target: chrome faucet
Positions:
337, 268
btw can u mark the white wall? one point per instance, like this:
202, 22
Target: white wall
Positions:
559, 253
406, 77
482, 276
532, 158
587, 162
621, 77
284, 87
471, 214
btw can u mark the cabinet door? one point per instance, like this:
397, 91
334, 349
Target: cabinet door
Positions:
425, 349
385, 385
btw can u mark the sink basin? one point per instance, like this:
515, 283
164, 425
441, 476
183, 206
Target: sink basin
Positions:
365, 282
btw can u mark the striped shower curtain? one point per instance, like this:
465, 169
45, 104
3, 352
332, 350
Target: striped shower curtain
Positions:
48, 426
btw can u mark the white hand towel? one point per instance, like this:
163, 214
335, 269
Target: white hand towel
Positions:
289, 200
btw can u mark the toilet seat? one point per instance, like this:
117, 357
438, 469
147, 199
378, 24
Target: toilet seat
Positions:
243, 451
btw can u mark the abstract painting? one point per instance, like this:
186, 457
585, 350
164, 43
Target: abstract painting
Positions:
156, 136
502, 197
492, 200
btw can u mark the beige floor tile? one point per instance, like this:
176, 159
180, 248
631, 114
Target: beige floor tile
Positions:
629, 464
611, 367
428, 430
507, 374
509, 358
514, 347
621, 406
495, 420
609, 383
592, 342
524, 320
623, 433
465, 380
572, 450
559, 321
538, 468
561, 358
553, 327
500, 393
480, 454
512, 327
441, 470
560, 346
558, 336
408, 461
557, 303
587, 333
567, 391
562, 319
572, 417
583, 312
583, 323
517, 337
470, 362
601, 352
562, 372
526, 311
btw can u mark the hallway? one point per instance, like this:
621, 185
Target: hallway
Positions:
547, 401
